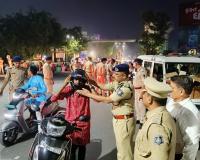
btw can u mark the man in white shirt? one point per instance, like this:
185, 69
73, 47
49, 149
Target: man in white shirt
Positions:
186, 115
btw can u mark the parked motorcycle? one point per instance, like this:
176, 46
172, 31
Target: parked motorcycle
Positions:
53, 142
19, 117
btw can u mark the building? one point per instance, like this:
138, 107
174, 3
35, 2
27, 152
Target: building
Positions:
189, 26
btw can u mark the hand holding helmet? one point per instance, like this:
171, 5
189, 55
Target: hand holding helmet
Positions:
78, 79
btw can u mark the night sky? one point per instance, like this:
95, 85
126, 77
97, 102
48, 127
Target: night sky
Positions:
109, 18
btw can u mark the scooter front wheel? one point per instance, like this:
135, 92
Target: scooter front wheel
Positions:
9, 134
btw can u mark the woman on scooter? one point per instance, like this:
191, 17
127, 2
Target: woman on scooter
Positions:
77, 111
36, 87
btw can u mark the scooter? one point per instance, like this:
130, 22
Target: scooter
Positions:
53, 142
18, 117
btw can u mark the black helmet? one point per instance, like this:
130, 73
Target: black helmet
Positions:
80, 75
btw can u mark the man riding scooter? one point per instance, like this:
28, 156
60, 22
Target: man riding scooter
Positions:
77, 111
36, 87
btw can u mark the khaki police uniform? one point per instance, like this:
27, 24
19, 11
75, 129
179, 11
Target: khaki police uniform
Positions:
89, 69
48, 77
1, 66
138, 84
156, 140
15, 77
123, 119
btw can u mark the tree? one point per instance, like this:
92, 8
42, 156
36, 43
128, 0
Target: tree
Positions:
30, 33
156, 27
75, 41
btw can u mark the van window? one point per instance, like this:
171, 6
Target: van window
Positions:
158, 71
183, 68
147, 66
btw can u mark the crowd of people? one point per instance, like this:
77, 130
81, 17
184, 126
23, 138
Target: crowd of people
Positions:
136, 100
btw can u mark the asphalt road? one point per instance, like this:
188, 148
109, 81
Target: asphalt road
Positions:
102, 146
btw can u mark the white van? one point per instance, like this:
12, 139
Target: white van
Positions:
160, 66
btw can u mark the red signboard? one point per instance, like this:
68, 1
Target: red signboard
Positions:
189, 14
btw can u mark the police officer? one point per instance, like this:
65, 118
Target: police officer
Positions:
89, 68
15, 75
138, 84
156, 140
122, 109
48, 74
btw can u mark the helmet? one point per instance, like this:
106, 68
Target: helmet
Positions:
80, 75
17, 59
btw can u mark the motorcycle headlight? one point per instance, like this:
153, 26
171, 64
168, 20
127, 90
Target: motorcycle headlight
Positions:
55, 131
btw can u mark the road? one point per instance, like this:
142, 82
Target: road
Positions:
102, 146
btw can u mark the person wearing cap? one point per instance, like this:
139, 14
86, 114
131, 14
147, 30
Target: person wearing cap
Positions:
186, 115
15, 75
48, 74
122, 109
138, 84
156, 140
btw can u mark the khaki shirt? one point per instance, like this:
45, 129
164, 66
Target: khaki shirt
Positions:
101, 69
139, 78
47, 71
109, 69
16, 76
88, 67
156, 140
122, 97
1, 62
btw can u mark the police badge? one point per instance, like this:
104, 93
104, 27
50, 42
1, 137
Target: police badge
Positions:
158, 140
119, 92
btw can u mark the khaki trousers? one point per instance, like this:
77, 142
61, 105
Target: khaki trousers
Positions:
49, 85
140, 109
124, 131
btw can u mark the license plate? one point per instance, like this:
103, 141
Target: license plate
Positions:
49, 148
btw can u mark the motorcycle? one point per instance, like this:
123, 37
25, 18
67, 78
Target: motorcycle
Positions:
19, 117
54, 141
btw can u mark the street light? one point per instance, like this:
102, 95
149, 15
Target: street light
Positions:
69, 37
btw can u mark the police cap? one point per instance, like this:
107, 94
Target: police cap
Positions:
156, 88
17, 59
121, 68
